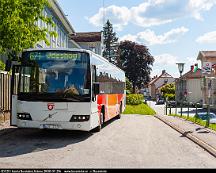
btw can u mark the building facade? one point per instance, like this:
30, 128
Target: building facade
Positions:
208, 84
157, 82
188, 87
62, 27
89, 40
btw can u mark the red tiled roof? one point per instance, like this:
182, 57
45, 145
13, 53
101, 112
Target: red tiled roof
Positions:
86, 37
163, 75
191, 74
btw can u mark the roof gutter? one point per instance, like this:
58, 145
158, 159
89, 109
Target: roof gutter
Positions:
60, 14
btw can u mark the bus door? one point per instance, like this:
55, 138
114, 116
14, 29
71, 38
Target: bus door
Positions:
14, 92
95, 91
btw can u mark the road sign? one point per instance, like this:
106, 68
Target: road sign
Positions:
207, 67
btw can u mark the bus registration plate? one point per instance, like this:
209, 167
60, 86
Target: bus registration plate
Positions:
50, 126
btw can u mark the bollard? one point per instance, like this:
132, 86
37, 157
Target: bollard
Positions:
196, 114
188, 111
166, 109
208, 116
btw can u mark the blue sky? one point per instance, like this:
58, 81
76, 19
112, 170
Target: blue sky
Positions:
173, 30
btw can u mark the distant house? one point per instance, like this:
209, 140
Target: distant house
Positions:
157, 82
208, 84
188, 87
89, 40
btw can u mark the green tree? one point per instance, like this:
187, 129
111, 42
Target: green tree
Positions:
110, 42
128, 86
18, 29
2, 65
168, 91
136, 61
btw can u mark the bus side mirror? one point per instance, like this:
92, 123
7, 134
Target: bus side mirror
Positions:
8, 65
96, 88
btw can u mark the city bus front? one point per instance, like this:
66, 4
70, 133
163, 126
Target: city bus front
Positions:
52, 90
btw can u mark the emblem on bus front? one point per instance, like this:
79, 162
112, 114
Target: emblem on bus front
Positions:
50, 106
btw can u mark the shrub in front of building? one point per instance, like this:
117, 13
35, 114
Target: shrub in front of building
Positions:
134, 99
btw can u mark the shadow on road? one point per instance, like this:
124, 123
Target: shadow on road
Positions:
23, 141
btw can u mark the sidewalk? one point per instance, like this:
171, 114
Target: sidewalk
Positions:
204, 137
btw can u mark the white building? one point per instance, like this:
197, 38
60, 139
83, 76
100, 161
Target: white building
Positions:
189, 87
158, 81
89, 40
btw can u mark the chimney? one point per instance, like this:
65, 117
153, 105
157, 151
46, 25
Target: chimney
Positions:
192, 67
164, 71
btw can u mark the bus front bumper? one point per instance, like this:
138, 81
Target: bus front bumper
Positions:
82, 126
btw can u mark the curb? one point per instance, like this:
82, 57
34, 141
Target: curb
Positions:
190, 136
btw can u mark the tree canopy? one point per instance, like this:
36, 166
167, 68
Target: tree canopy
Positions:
110, 42
18, 29
136, 61
168, 91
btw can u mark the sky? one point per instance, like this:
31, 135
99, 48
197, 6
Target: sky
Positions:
173, 30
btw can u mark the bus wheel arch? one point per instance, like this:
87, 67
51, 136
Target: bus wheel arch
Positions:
101, 119
120, 111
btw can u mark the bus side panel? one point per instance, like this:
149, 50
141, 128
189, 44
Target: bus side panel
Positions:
112, 103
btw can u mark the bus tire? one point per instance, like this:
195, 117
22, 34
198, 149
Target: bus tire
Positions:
120, 112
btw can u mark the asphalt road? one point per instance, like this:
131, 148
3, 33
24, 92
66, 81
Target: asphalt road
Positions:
134, 141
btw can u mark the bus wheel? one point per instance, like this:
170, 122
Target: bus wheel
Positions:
98, 128
120, 112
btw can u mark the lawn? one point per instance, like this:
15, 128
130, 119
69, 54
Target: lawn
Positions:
197, 121
142, 109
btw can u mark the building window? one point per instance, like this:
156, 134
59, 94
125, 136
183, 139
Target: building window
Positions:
59, 37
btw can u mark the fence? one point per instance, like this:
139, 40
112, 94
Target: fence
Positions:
5, 93
5, 98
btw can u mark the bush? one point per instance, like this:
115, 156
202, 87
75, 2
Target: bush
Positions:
2, 65
134, 99
169, 96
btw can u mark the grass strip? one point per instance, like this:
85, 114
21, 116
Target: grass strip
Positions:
142, 109
196, 121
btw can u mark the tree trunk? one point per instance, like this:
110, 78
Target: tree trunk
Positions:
134, 88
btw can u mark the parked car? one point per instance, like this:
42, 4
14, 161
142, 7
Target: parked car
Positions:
160, 101
171, 103
204, 116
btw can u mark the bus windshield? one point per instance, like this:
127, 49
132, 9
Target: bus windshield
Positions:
53, 75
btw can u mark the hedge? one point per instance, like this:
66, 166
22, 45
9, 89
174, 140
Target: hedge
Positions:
134, 99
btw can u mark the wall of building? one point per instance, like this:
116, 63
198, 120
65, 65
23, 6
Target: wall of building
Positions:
160, 82
194, 90
93, 46
61, 41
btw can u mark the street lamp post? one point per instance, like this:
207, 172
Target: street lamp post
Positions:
181, 69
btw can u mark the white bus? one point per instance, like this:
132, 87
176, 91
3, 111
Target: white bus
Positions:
71, 89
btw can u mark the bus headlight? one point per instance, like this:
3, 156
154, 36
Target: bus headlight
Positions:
24, 116
79, 118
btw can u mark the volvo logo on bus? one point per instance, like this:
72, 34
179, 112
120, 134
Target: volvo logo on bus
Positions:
50, 106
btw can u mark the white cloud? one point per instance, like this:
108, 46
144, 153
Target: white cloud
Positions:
165, 59
150, 38
119, 16
152, 12
198, 6
209, 37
